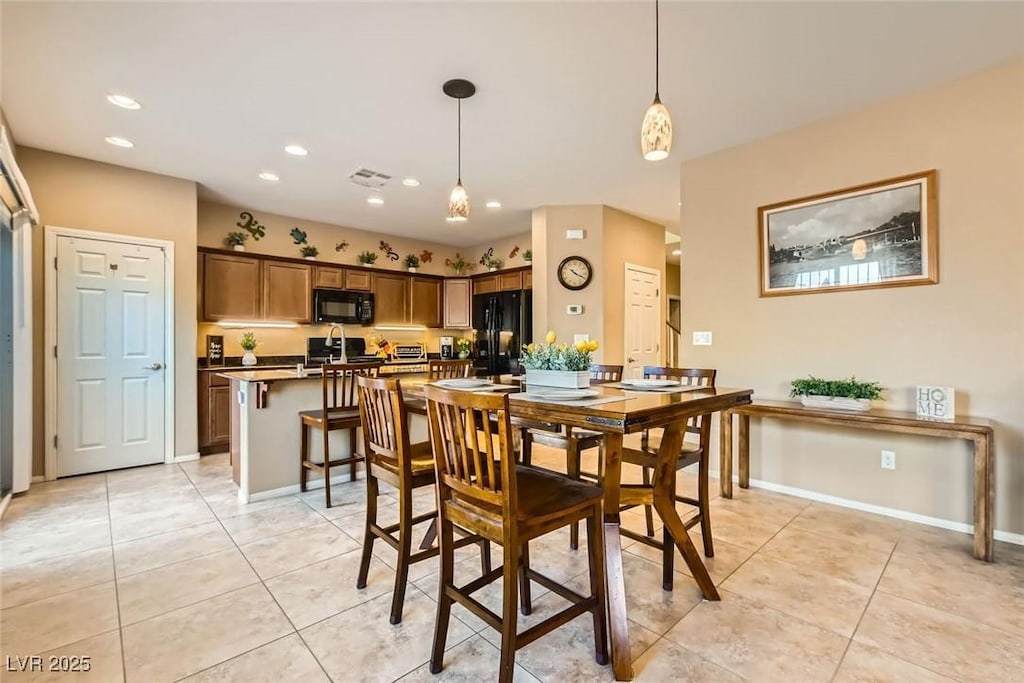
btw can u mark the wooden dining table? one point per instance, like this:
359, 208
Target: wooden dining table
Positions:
634, 411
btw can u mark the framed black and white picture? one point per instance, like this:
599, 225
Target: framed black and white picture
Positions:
881, 234
214, 350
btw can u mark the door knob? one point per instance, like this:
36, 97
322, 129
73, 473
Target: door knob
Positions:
631, 360
154, 366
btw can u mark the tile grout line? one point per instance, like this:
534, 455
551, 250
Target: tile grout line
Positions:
117, 593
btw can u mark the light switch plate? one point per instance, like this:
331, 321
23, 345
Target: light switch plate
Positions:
574, 309
702, 339
577, 338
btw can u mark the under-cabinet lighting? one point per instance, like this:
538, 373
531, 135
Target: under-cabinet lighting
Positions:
235, 324
401, 328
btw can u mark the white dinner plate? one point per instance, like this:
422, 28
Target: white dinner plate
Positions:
650, 383
463, 383
562, 394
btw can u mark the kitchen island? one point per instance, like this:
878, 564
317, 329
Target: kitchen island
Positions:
265, 407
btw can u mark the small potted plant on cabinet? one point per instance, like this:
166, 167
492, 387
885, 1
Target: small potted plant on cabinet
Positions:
412, 262
236, 240
493, 264
248, 344
458, 264
367, 258
841, 394
462, 347
528, 256
309, 252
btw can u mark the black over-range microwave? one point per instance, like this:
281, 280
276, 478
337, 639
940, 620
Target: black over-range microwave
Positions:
335, 306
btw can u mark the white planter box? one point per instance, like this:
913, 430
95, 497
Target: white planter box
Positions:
558, 378
835, 402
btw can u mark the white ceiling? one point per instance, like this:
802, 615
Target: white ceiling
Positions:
562, 88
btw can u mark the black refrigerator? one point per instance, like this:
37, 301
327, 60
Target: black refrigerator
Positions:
503, 322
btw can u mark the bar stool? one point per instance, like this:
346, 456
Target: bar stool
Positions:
480, 488
406, 466
339, 411
573, 441
449, 369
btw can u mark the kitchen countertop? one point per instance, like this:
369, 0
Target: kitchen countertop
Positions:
271, 375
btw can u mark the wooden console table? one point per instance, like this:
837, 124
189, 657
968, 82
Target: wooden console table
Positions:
977, 431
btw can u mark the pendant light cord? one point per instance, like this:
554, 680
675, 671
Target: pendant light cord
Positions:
460, 140
657, 53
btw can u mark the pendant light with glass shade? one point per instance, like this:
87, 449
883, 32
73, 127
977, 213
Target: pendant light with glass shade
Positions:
458, 202
656, 131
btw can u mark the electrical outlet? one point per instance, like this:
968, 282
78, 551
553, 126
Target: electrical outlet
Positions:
888, 460
702, 339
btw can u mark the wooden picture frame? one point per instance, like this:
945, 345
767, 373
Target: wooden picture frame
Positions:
881, 234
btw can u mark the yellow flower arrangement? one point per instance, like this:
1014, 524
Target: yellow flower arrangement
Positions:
552, 356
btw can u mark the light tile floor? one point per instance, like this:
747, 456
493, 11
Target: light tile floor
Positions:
159, 574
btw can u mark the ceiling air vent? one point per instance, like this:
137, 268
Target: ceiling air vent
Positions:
368, 178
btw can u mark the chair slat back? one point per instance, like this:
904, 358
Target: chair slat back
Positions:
449, 369
472, 442
383, 415
600, 374
339, 383
701, 377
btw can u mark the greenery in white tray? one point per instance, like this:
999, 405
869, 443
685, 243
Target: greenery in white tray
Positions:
552, 356
236, 239
367, 257
845, 388
412, 261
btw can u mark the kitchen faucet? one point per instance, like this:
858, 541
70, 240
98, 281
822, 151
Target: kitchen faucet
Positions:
330, 346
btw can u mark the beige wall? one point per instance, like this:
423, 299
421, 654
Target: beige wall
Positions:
632, 240
966, 332
77, 193
672, 278
217, 220
549, 248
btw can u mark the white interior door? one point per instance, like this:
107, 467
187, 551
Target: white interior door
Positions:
643, 319
110, 355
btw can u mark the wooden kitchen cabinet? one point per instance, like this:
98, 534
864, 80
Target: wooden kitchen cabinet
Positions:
231, 287
425, 301
214, 413
325, 277
358, 280
286, 292
485, 285
508, 282
528, 279
390, 298
458, 304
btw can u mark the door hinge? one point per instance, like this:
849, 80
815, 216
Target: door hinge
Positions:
54, 440
55, 263
54, 350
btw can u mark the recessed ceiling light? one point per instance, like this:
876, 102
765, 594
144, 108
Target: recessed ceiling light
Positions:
375, 199
493, 204
296, 150
123, 101
677, 252
411, 182
119, 142
267, 175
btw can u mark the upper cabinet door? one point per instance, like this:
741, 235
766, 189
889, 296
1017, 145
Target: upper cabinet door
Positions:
510, 281
425, 301
358, 280
326, 277
286, 292
485, 285
390, 298
458, 304
528, 279
231, 287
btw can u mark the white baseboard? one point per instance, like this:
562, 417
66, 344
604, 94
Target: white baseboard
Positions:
38, 479
188, 457
314, 485
1007, 536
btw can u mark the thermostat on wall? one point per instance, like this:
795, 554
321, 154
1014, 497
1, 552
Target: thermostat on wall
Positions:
574, 309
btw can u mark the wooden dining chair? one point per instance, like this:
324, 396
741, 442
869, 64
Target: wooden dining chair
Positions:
690, 453
339, 411
449, 369
482, 489
391, 458
573, 441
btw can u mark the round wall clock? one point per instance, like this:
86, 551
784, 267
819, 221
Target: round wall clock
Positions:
575, 272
